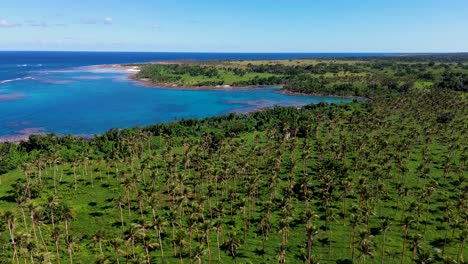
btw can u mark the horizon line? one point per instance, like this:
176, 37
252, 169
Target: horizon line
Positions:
253, 52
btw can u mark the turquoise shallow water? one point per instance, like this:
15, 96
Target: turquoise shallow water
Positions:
84, 101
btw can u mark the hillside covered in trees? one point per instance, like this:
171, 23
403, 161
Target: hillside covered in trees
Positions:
374, 181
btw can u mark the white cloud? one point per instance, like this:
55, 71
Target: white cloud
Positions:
105, 21
157, 26
108, 20
6, 23
38, 24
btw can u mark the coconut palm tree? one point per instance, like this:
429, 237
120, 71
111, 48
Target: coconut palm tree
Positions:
232, 244
53, 204
407, 223
67, 215
131, 236
116, 243
424, 257
281, 253
311, 232
56, 233
415, 241
159, 223
23, 240
99, 237
70, 245
365, 245
179, 240
462, 239
199, 252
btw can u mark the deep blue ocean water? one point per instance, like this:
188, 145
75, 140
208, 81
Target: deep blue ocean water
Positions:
56, 92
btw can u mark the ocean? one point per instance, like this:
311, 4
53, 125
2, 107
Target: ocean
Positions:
58, 92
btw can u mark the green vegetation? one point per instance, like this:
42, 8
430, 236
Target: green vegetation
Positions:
364, 78
375, 181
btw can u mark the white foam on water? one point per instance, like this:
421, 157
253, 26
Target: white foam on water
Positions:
16, 79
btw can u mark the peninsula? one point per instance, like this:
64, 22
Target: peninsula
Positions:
358, 77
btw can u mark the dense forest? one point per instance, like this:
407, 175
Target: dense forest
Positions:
381, 180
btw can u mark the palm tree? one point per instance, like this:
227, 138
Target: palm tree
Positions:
199, 252
144, 237
179, 240
53, 205
311, 232
424, 257
462, 239
21, 200
282, 252
365, 245
23, 240
265, 226
70, 245
128, 185
37, 219
98, 238
120, 205
407, 223
116, 243
131, 235
191, 221
205, 228
415, 244
384, 228
67, 215
159, 223
218, 225
232, 244
56, 235
172, 218
354, 220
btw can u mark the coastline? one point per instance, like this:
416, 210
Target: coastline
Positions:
357, 98
132, 71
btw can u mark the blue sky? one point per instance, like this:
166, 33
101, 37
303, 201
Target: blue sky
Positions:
235, 26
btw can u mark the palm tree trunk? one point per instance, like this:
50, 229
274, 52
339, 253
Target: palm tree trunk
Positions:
55, 174
74, 175
190, 243
403, 248
52, 218
161, 246
128, 203
42, 238
24, 217
100, 247
147, 255
219, 247
57, 250
208, 247
70, 254
121, 214
117, 256
180, 255
460, 250
383, 249
12, 236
